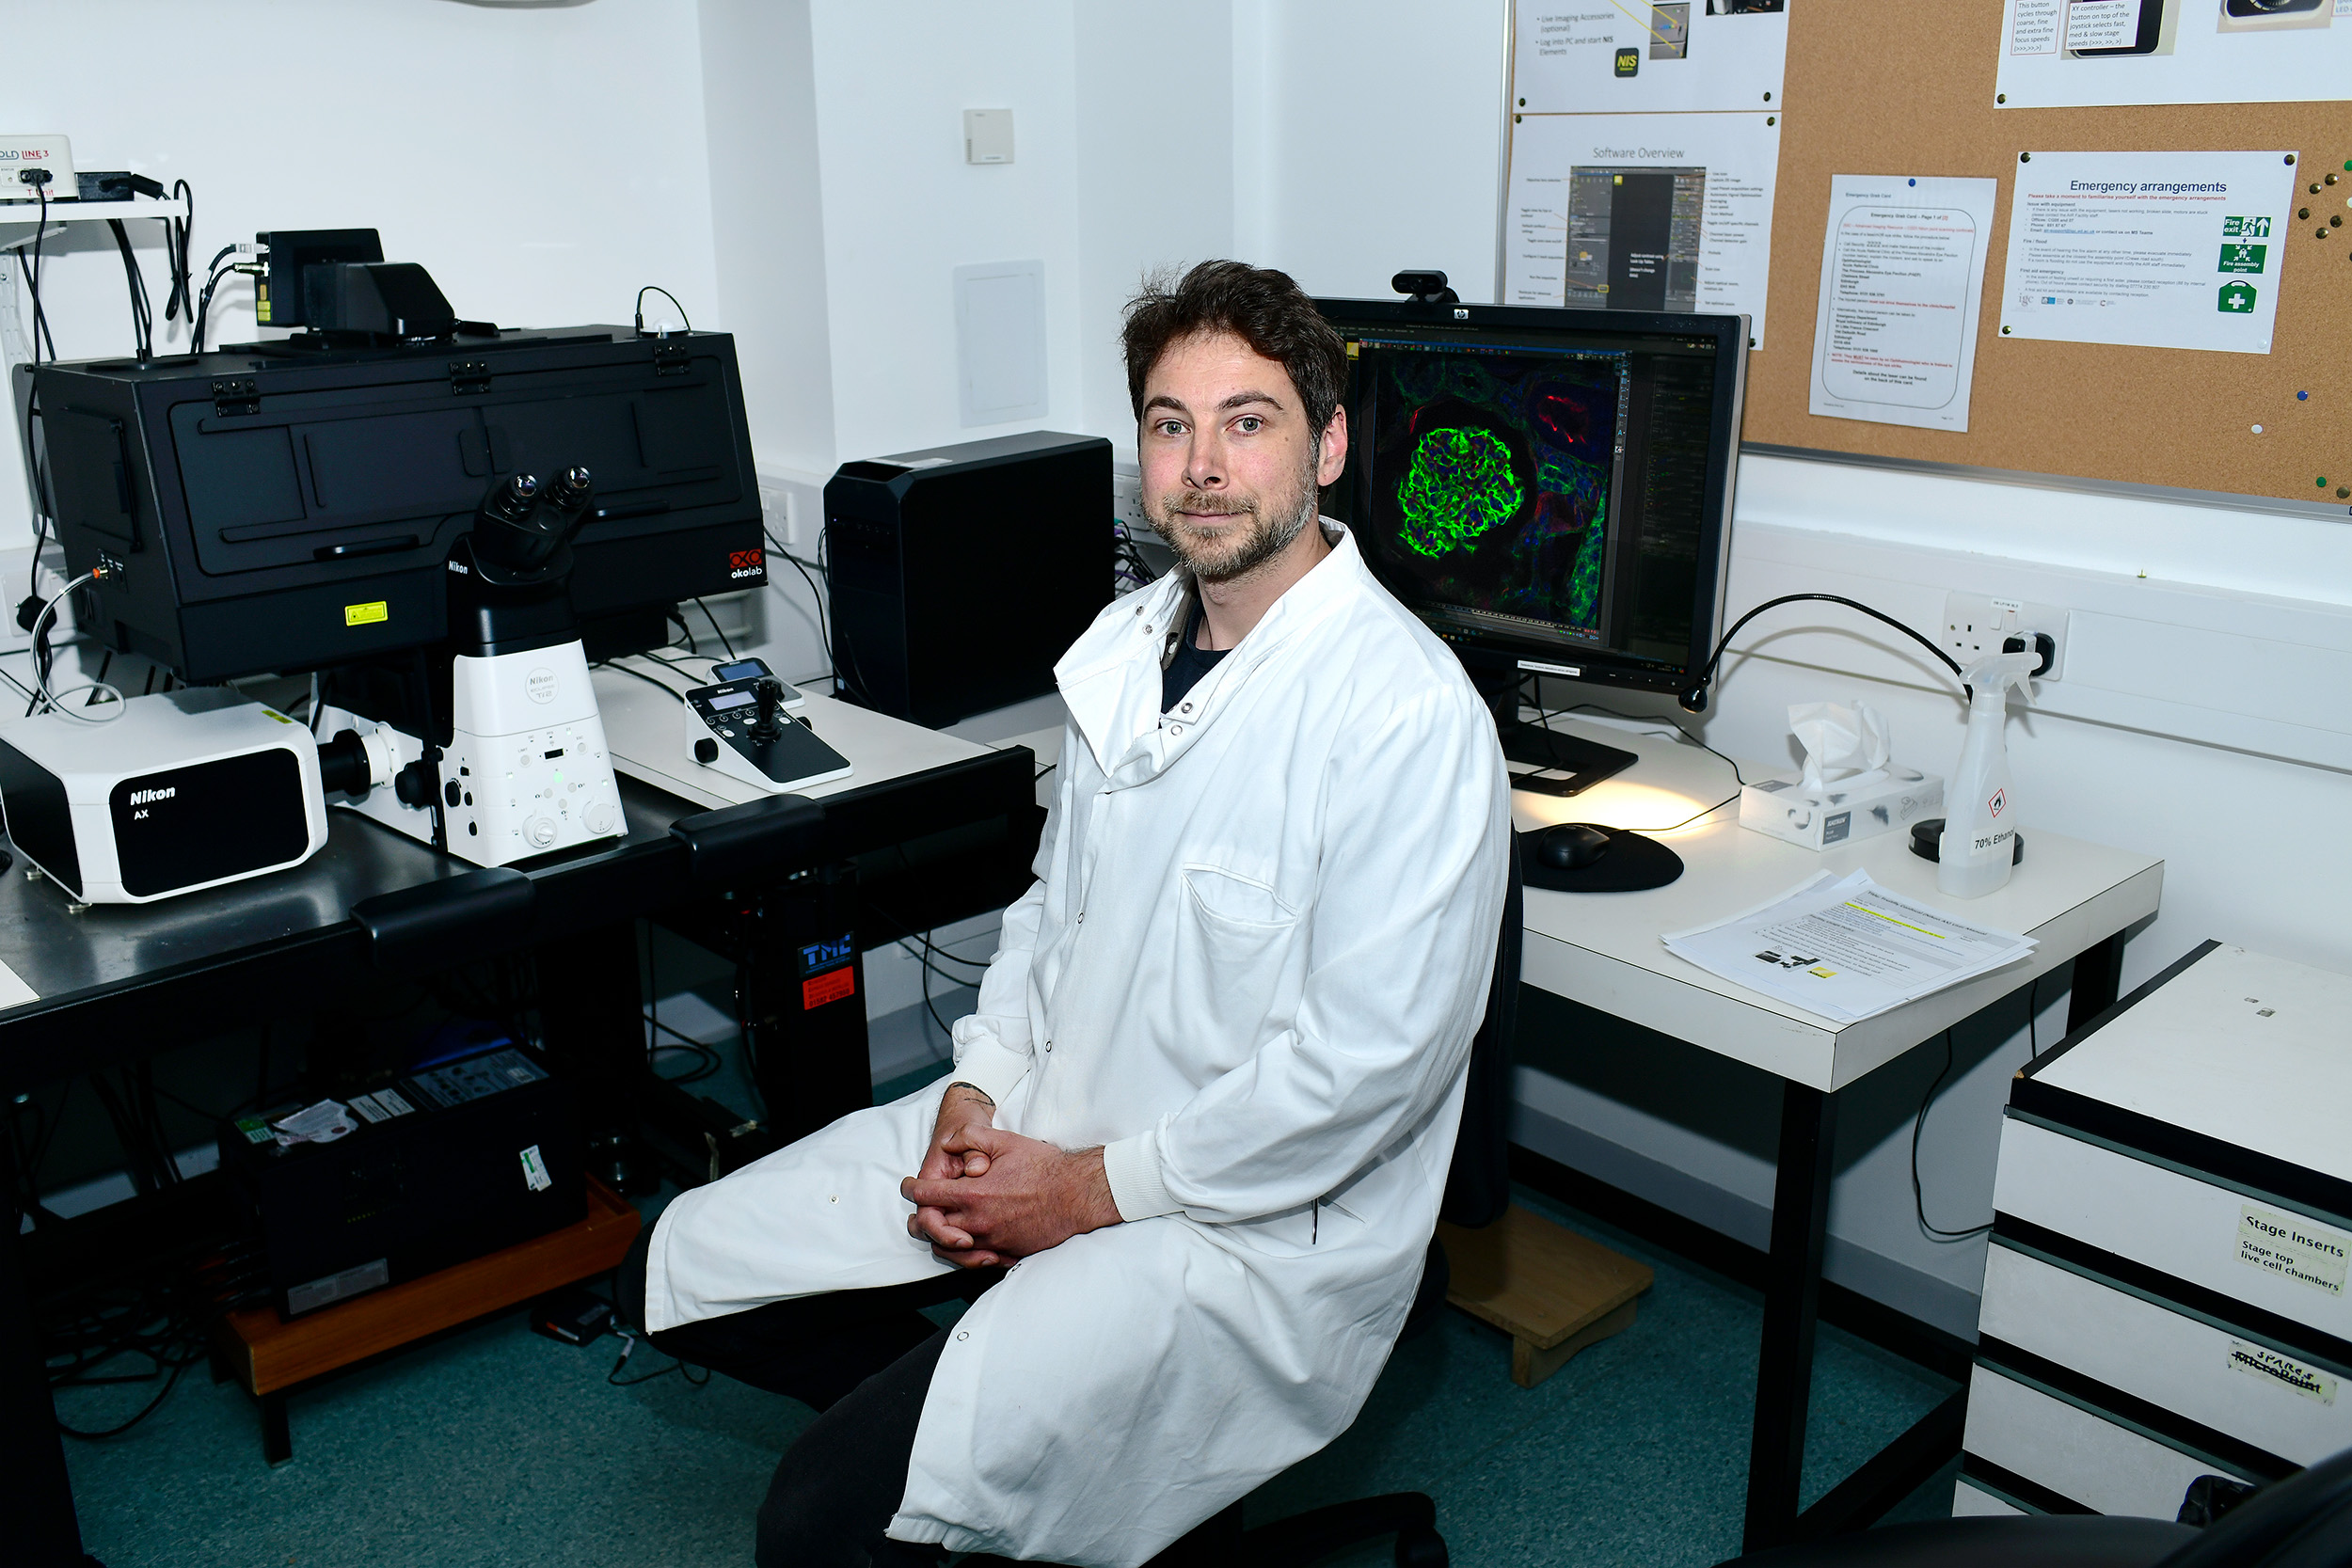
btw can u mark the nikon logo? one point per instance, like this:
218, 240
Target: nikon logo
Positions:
149, 797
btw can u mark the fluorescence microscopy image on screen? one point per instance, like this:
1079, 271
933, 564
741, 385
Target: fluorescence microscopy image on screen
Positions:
1491, 474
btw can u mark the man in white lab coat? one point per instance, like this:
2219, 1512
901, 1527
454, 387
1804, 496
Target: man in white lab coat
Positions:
1199, 1126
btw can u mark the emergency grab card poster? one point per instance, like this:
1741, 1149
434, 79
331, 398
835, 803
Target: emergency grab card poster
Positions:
1902, 270
2151, 249
2080, 54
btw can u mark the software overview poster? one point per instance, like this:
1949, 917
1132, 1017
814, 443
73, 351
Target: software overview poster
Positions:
1658, 212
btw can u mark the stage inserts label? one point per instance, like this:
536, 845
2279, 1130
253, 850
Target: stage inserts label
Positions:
2293, 1247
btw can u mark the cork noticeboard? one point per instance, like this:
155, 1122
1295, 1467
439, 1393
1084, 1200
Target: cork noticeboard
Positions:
1874, 88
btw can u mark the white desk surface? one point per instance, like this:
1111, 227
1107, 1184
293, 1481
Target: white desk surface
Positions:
878, 747
1602, 948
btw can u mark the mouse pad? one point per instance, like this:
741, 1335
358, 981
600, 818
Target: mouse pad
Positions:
1632, 863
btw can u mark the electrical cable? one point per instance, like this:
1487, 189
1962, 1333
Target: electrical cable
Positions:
142, 311
177, 233
44, 696
1918, 1123
1544, 716
658, 288
816, 594
714, 628
659, 685
1708, 673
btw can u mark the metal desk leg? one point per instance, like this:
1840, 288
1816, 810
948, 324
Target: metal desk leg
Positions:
1793, 1291
37, 1529
2098, 972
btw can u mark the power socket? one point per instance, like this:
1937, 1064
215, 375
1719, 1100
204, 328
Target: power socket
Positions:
1127, 503
1976, 625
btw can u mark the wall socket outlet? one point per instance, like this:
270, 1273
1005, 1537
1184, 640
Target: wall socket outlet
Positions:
1127, 503
1976, 625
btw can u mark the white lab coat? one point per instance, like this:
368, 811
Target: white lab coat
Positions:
1259, 946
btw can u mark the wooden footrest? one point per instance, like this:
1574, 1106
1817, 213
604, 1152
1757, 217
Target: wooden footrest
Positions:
1549, 1288
268, 1354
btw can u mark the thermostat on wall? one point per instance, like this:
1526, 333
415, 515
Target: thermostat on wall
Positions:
988, 136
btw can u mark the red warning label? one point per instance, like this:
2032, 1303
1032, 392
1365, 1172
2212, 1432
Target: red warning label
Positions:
832, 985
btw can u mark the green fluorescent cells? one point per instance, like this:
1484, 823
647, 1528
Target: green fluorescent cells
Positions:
1460, 484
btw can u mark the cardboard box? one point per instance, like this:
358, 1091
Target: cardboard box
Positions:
1889, 800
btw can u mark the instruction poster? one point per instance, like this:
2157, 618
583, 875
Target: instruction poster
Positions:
1647, 56
2152, 249
1902, 270
1643, 212
2078, 54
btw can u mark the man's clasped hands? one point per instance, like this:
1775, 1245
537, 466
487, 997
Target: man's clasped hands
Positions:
986, 1196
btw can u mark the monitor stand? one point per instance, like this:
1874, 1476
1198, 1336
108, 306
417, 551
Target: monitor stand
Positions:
1564, 763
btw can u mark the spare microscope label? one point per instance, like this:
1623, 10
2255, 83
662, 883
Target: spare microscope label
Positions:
2271, 1367
2293, 1247
541, 685
367, 614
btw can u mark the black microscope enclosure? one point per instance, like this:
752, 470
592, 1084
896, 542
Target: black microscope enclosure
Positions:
264, 507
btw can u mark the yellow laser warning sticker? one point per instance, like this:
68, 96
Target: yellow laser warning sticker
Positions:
1822, 973
366, 614
273, 713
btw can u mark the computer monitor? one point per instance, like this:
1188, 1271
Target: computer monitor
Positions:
1549, 489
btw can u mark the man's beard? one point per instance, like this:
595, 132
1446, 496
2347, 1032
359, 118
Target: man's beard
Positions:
1275, 521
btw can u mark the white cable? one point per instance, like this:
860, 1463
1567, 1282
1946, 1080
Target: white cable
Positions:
44, 696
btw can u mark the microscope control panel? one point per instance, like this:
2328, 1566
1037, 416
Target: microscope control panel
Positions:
742, 725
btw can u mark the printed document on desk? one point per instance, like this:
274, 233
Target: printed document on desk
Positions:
1847, 949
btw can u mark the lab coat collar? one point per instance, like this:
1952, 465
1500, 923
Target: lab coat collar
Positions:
1110, 677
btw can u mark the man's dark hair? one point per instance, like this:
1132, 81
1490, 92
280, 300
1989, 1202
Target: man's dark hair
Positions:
1264, 308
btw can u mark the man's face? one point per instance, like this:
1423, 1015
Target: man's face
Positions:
1230, 470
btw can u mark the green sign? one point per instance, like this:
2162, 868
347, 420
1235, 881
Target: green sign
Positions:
2237, 298
2249, 229
2242, 258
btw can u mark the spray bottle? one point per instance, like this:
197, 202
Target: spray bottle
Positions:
1978, 844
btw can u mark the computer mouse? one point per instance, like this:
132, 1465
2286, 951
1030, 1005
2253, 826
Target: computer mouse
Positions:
1571, 845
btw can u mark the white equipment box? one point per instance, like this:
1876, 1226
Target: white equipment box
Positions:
2166, 1294
21, 156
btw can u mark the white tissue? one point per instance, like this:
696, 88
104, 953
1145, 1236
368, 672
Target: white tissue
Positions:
1843, 743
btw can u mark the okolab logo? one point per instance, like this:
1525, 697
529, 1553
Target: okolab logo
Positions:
747, 563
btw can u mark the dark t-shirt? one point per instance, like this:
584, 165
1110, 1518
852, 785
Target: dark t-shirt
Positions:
1189, 664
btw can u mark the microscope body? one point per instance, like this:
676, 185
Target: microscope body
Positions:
512, 763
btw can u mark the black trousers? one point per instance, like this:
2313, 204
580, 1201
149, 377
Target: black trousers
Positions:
863, 1359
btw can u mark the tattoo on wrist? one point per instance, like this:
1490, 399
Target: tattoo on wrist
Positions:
985, 1098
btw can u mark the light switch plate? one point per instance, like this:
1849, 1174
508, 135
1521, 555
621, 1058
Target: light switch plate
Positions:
988, 136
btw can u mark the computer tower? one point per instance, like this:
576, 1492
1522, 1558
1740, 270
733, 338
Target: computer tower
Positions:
960, 574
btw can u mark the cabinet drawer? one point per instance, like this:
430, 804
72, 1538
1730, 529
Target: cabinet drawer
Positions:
2082, 1456
2252, 1387
2250, 1248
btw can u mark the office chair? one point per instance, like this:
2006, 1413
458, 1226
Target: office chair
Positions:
2302, 1522
1477, 1191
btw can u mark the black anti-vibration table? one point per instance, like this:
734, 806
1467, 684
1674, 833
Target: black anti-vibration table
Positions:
774, 884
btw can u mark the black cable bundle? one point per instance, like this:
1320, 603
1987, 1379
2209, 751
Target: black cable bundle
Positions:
142, 309
178, 232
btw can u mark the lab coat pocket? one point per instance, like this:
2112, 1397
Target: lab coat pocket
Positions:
1232, 944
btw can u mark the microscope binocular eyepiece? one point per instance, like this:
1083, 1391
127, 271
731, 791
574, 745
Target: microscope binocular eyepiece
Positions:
521, 524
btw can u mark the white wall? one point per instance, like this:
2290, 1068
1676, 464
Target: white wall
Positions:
541, 162
1381, 150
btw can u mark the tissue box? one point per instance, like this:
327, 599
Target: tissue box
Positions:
1843, 810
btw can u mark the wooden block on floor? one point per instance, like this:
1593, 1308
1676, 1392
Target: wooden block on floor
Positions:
1549, 1288
266, 1353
